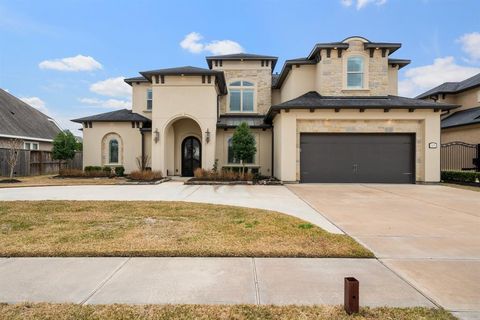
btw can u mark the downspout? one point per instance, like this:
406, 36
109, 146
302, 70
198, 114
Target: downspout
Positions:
273, 153
143, 149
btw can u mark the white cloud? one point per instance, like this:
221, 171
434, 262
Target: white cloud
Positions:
471, 45
420, 79
192, 42
112, 87
77, 63
362, 3
35, 102
108, 104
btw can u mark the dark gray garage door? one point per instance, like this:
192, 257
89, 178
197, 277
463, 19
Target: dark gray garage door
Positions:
342, 157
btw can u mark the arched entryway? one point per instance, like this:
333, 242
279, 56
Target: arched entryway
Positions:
191, 156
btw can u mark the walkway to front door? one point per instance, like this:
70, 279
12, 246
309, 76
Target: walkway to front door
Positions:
191, 156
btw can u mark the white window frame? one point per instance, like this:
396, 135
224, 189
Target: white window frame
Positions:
149, 90
30, 145
362, 72
241, 88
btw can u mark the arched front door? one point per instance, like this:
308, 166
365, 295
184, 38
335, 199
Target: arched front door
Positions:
191, 156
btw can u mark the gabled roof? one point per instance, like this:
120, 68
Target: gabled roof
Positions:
453, 87
123, 115
462, 118
188, 71
242, 56
287, 66
18, 119
313, 100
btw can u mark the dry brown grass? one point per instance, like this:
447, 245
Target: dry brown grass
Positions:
115, 228
223, 175
206, 312
49, 180
145, 175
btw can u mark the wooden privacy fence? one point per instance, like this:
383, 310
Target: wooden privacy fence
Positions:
35, 162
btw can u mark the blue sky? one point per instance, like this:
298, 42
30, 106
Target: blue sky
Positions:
68, 57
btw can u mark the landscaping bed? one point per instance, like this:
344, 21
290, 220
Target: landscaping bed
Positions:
464, 178
127, 229
229, 177
43, 311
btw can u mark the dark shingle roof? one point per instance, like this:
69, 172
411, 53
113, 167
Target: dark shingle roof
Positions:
242, 56
135, 79
462, 118
313, 100
400, 62
123, 115
233, 121
19, 119
453, 87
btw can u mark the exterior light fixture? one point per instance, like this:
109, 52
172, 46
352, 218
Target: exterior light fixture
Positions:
157, 136
207, 135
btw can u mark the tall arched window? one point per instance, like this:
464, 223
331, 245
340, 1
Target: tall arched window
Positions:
113, 151
242, 96
231, 158
355, 73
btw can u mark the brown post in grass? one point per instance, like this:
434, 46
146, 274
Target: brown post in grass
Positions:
351, 303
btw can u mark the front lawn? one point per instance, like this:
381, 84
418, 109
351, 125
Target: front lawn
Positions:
116, 228
207, 312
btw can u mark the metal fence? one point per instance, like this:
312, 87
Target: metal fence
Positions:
35, 162
459, 155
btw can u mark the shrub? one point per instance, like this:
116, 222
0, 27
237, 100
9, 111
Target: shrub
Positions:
145, 175
92, 168
224, 175
119, 171
460, 176
71, 173
107, 170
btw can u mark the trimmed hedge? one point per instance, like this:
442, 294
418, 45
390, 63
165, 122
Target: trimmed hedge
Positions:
460, 176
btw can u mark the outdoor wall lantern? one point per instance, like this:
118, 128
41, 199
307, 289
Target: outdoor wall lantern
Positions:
157, 136
207, 135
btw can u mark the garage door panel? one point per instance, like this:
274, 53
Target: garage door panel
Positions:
376, 158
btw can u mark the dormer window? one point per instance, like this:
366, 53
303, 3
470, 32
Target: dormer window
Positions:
242, 96
355, 73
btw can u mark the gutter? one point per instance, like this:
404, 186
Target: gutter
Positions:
24, 138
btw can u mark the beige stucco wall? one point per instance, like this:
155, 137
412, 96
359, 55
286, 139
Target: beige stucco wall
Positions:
139, 99
263, 157
425, 124
300, 80
250, 71
179, 98
94, 144
468, 134
466, 99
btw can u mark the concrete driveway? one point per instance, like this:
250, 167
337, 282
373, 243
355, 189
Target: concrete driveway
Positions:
429, 235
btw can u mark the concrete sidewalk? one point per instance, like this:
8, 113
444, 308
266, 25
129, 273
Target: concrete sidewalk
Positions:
201, 280
276, 198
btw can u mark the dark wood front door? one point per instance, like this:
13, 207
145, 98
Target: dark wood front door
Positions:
191, 156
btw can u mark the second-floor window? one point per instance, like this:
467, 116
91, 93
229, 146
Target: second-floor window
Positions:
355, 73
242, 96
149, 99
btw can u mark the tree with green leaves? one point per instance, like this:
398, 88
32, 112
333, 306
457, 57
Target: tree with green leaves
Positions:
243, 144
64, 146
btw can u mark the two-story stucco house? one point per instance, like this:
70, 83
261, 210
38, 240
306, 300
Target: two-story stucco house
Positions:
332, 116
462, 124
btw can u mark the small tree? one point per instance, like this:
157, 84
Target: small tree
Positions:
243, 144
64, 147
13, 146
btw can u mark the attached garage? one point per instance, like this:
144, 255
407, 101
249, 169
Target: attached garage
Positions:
357, 158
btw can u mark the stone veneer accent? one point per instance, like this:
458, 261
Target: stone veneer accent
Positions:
367, 126
262, 77
331, 72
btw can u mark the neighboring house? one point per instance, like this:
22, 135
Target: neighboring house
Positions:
462, 124
333, 116
18, 120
